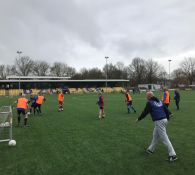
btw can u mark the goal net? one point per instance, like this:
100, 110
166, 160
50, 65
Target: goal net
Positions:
5, 123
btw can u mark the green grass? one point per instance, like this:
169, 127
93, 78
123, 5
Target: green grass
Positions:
75, 142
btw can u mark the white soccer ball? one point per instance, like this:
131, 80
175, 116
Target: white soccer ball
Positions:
28, 113
6, 124
12, 143
2, 125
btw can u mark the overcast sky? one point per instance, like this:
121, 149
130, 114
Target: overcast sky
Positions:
82, 32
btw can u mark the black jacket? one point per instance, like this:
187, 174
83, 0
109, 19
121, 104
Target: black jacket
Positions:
177, 96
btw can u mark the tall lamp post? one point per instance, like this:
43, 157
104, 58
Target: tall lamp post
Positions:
19, 53
106, 72
170, 71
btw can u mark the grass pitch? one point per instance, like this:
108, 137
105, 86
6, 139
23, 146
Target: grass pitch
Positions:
76, 142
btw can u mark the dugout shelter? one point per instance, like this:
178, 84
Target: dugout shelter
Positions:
34, 82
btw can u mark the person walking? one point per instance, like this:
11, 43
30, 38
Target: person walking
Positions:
166, 97
160, 116
177, 98
129, 102
100, 103
39, 101
60, 101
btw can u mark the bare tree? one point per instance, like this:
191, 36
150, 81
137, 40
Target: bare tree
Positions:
152, 71
77, 76
23, 66
84, 73
178, 77
10, 70
95, 73
6, 70
162, 75
120, 66
2, 72
137, 71
70, 71
112, 71
122, 69
57, 69
41, 68
60, 69
188, 68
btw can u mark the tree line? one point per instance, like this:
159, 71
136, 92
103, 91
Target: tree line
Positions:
138, 71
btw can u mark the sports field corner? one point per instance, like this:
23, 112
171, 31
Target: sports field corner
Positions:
75, 141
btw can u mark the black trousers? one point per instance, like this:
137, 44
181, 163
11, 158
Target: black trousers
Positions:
38, 108
177, 104
130, 106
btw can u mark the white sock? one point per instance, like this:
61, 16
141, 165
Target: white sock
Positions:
100, 114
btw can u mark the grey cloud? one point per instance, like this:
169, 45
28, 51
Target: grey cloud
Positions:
82, 32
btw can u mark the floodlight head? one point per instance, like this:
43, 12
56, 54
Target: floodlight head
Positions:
19, 52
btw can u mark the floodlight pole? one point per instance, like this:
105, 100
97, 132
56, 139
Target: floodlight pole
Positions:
106, 72
169, 70
19, 86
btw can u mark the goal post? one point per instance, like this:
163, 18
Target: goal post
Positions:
5, 123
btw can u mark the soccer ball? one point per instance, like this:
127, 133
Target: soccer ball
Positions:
12, 143
28, 113
6, 124
2, 125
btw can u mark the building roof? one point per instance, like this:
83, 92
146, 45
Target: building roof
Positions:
35, 77
62, 80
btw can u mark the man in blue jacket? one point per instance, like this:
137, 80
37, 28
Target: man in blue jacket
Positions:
160, 116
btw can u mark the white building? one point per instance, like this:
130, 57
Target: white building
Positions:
151, 87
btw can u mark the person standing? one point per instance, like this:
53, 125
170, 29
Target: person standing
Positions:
22, 106
177, 98
166, 97
160, 116
129, 102
60, 101
100, 103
